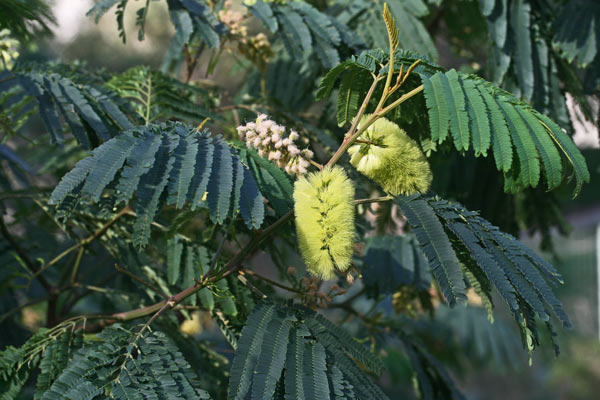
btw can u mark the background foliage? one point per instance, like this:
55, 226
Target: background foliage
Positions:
149, 253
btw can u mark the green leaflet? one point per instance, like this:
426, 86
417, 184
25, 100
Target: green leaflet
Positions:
479, 123
174, 252
150, 189
436, 246
459, 121
500, 136
220, 185
569, 149
165, 163
438, 110
272, 358
315, 382
520, 12
248, 350
545, 147
529, 166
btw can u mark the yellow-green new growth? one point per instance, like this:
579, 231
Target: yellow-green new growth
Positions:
324, 210
391, 158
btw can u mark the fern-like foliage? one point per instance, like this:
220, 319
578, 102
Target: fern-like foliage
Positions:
68, 98
156, 96
302, 353
393, 261
125, 364
476, 114
165, 163
189, 17
51, 348
454, 238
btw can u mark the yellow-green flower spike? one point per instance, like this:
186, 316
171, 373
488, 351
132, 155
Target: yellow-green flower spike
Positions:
324, 210
387, 155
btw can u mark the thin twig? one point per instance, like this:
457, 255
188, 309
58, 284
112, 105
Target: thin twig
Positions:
268, 280
140, 280
84, 242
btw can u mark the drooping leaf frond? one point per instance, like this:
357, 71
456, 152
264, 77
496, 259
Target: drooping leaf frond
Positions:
304, 353
437, 247
68, 98
523, 279
165, 163
156, 96
127, 365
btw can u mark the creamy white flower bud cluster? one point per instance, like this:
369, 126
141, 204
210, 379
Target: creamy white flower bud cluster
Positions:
271, 142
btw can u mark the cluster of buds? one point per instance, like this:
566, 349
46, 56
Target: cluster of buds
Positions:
269, 139
233, 19
257, 48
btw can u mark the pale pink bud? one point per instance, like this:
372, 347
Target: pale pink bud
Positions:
261, 152
293, 150
256, 142
278, 144
294, 135
266, 141
287, 142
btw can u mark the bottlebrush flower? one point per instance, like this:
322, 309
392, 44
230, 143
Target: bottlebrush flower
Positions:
391, 158
324, 210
